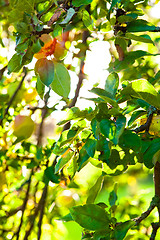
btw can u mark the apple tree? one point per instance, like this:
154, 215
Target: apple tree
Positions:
66, 181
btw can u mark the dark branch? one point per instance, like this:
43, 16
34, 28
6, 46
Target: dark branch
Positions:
155, 227
24, 205
44, 113
2, 71
145, 127
43, 196
144, 214
42, 211
81, 77
44, 31
14, 95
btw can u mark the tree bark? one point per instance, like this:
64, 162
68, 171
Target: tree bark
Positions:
157, 182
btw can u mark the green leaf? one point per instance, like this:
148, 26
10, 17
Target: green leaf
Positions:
4, 98
144, 90
40, 87
86, 18
95, 128
94, 190
149, 153
75, 113
128, 60
105, 95
63, 160
78, 3
83, 157
135, 116
104, 147
112, 83
126, 18
142, 38
49, 173
91, 217
130, 140
120, 126
21, 27
114, 159
36, 47
22, 47
70, 13
61, 82
114, 2
108, 129
113, 196
66, 218
44, 68
121, 230
90, 147
102, 234
140, 25
14, 64
113, 130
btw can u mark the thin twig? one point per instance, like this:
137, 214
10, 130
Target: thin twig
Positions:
14, 95
144, 214
2, 71
42, 211
81, 77
43, 196
44, 113
24, 205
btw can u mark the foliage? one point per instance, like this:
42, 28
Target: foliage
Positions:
51, 179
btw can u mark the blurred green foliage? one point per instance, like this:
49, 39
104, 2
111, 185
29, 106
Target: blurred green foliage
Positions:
88, 175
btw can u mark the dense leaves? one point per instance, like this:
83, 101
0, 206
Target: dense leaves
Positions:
75, 147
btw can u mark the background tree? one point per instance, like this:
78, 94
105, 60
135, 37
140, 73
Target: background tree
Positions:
65, 186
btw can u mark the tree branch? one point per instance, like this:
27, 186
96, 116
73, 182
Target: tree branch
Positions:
81, 77
145, 127
42, 211
144, 214
24, 205
2, 71
44, 113
155, 227
14, 95
41, 202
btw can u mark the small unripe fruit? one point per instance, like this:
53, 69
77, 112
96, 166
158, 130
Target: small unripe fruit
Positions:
23, 126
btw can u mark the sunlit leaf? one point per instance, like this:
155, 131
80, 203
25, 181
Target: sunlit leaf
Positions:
90, 216
113, 3
128, 60
105, 95
61, 82
141, 38
112, 83
86, 18
14, 64
45, 70
140, 25
94, 190
78, 3
90, 146
144, 90
121, 230
63, 160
